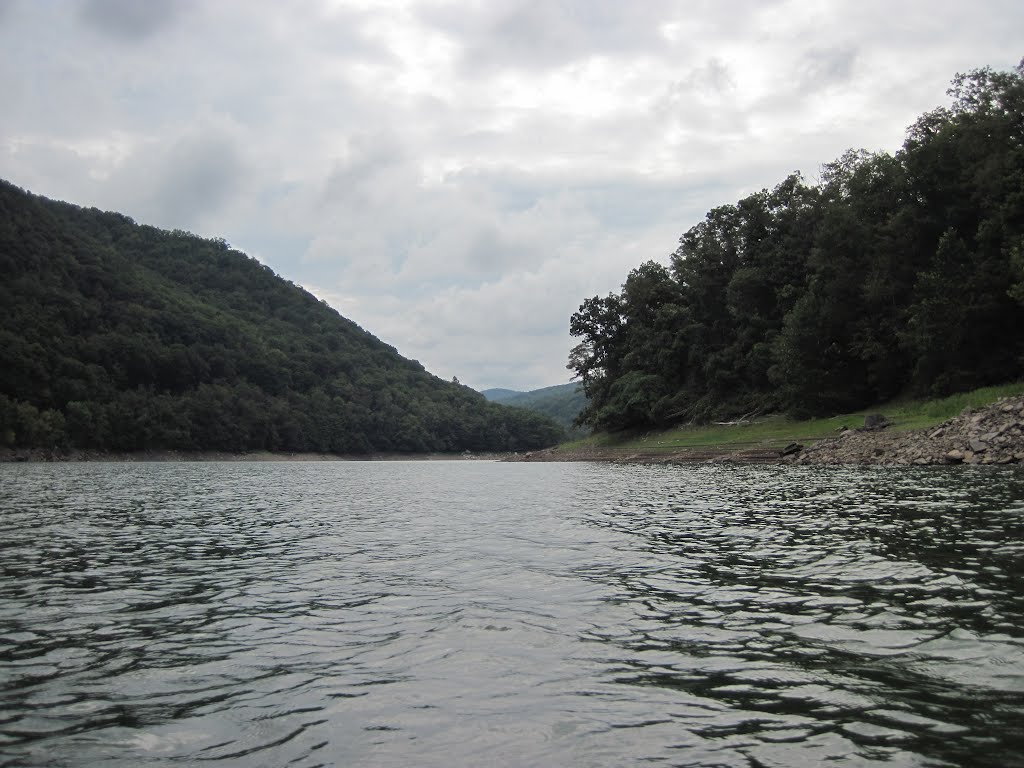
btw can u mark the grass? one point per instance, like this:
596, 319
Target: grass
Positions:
775, 432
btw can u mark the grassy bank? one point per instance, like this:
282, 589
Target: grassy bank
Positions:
775, 432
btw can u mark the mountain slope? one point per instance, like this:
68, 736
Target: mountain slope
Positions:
498, 395
117, 336
562, 402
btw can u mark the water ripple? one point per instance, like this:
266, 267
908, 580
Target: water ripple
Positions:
466, 613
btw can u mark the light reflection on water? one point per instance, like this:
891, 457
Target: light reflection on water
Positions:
468, 613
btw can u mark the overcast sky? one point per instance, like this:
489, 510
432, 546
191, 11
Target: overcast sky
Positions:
457, 177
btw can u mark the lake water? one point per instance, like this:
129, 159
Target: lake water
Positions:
474, 613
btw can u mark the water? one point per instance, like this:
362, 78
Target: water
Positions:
471, 613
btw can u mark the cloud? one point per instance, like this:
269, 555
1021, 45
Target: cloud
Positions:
457, 176
130, 20
822, 67
196, 178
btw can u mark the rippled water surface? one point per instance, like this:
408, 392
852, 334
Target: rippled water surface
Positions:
474, 613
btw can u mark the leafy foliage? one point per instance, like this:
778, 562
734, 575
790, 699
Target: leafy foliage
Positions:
895, 274
123, 337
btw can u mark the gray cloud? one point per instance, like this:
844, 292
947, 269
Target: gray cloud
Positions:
820, 67
199, 177
546, 33
192, 183
130, 20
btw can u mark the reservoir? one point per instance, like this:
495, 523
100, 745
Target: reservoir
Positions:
471, 613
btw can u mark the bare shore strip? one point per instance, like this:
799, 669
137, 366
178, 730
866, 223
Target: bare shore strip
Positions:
992, 434
988, 435
40, 455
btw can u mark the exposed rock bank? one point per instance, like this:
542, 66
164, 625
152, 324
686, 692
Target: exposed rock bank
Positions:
993, 434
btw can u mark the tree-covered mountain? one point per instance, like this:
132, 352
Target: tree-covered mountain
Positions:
499, 395
121, 337
562, 402
895, 274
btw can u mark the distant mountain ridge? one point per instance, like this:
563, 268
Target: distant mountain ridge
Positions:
122, 337
562, 402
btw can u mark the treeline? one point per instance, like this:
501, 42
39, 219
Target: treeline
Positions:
894, 274
121, 337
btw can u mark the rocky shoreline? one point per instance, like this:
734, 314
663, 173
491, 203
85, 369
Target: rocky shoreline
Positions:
993, 434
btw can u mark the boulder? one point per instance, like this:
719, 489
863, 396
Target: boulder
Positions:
876, 421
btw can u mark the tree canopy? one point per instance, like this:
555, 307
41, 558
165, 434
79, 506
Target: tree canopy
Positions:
895, 273
121, 337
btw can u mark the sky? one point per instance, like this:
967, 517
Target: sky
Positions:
457, 176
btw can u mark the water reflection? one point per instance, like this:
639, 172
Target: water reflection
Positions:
468, 613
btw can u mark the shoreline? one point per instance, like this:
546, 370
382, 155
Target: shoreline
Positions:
41, 456
992, 435
989, 435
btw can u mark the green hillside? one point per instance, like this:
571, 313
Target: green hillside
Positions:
562, 402
498, 395
121, 337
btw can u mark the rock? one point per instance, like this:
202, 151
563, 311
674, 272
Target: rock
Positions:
937, 433
876, 421
978, 446
954, 456
791, 449
921, 460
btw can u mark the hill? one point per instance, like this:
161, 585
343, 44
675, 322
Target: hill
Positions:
498, 395
562, 402
122, 337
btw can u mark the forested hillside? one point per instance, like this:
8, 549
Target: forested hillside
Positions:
893, 274
121, 337
562, 402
